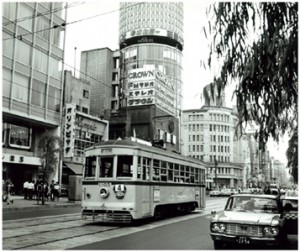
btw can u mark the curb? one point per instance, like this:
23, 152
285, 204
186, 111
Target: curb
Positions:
37, 207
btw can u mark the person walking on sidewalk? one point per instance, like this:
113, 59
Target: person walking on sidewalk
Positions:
7, 192
52, 190
56, 191
30, 189
25, 189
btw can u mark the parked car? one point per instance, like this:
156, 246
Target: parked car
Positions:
249, 219
225, 192
214, 193
246, 191
290, 204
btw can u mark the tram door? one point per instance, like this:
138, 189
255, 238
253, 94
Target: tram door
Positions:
202, 196
146, 188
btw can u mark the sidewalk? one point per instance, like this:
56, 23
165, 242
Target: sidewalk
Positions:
20, 204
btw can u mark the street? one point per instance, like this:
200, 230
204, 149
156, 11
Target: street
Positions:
69, 231
55, 229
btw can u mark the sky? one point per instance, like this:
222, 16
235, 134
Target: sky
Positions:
97, 26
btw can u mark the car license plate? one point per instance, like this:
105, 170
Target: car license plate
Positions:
243, 240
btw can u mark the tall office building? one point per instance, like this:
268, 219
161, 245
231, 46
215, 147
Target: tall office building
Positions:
151, 44
32, 56
101, 68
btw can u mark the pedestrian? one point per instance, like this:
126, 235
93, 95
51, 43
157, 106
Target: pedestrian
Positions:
25, 189
46, 191
8, 185
267, 190
30, 189
56, 191
39, 190
52, 190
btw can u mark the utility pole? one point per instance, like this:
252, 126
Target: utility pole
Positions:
216, 176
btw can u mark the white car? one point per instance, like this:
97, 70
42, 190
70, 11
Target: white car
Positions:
249, 219
214, 193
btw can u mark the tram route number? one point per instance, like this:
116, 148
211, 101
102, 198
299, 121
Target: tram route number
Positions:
104, 184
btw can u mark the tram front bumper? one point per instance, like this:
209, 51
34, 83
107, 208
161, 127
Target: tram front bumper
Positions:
107, 216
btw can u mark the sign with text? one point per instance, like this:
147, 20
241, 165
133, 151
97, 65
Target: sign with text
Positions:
69, 130
150, 86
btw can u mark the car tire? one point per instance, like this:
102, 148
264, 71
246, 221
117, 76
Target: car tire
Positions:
218, 245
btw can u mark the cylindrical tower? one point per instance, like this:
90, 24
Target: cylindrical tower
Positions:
151, 43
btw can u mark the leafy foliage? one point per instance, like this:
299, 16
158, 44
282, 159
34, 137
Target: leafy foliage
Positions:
49, 148
258, 43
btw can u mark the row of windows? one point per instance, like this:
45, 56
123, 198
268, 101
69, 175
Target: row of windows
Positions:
42, 22
19, 88
219, 117
84, 140
147, 168
24, 53
196, 117
196, 138
167, 171
198, 148
214, 138
212, 158
220, 148
219, 128
224, 171
156, 52
195, 127
225, 159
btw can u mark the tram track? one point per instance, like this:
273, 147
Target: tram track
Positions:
46, 235
67, 231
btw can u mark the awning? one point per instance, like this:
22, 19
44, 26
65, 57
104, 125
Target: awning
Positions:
76, 168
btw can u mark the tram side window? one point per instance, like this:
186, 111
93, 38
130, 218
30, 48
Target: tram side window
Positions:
197, 176
187, 174
176, 173
170, 171
202, 177
106, 167
192, 175
156, 167
146, 168
163, 171
90, 166
181, 179
139, 168
124, 166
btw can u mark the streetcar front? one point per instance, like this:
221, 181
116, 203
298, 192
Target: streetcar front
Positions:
107, 176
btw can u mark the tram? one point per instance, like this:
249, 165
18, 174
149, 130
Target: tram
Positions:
125, 180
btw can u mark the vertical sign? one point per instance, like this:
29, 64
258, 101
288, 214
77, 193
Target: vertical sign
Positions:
69, 134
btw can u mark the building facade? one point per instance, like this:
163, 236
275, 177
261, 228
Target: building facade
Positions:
151, 44
101, 68
32, 84
209, 135
81, 130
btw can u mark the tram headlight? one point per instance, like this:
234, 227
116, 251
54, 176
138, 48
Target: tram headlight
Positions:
104, 192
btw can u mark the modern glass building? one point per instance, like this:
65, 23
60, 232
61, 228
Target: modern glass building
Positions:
151, 44
32, 83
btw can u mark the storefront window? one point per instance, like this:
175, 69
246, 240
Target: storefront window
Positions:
20, 137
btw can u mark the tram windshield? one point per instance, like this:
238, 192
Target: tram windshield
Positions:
106, 167
125, 168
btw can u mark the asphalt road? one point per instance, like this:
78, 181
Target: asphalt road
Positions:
39, 213
191, 234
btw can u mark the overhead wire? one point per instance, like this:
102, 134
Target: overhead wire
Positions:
20, 36
63, 62
42, 14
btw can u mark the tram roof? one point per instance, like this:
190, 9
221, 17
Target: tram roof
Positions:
132, 143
